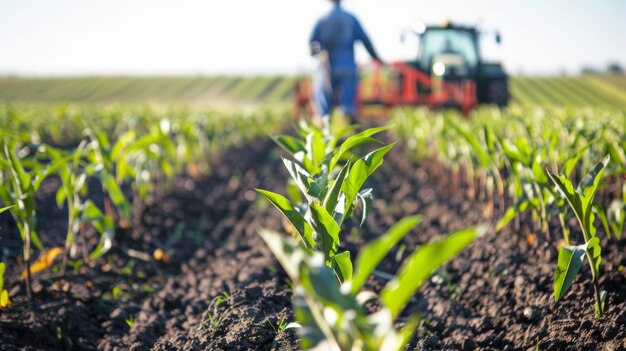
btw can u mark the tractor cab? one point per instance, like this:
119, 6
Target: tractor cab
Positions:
451, 53
448, 51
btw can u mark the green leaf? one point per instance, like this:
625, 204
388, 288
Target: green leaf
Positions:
104, 226
17, 169
477, 147
570, 164
354, 181
342, 264
617, 216
569, 262
4, 209
2, 269
61, 195
589, 184
420, 265
366, 196
115, 193
358, 139
296, 219
406, 332
511, 213
315, 150
303, 179
567, 190
332, 197
372, 253
593, 247
327, 230
597, 209
291, 145
283, 249
358, 174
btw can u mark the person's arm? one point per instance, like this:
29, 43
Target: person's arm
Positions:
315, 44
361, 36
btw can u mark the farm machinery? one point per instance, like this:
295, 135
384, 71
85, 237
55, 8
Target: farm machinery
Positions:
449, 71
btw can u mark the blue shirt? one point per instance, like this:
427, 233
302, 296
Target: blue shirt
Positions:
336, 33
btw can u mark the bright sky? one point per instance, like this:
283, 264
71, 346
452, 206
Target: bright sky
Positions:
59, 37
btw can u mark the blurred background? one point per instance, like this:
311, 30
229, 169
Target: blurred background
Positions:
242, 40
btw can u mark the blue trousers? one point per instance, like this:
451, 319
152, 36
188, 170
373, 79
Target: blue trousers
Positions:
340, 91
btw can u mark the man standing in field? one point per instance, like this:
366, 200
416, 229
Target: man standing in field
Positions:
333, 41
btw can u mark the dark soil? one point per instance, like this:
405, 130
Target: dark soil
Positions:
222, 290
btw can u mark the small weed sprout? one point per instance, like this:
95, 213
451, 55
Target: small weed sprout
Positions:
130, 321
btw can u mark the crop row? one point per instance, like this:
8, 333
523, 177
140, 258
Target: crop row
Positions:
581, 91
170, 90
131, 155
535, 165
329, 295
569, 91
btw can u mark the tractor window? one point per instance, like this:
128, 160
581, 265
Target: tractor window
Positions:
447, 41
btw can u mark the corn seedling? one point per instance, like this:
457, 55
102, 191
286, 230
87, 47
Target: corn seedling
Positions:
328, 295
25, 179
581, 201
332, 314
330, 197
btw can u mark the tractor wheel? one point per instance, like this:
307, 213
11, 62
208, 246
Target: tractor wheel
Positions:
498, 92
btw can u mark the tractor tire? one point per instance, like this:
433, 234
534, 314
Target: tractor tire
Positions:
498, 93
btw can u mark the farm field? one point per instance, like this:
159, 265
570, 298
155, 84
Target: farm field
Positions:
233, 91
151, 221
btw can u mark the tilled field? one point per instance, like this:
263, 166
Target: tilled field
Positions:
222, 289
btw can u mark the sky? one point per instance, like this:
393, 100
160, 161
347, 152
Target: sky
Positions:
158, 37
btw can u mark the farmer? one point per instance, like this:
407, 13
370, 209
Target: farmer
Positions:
332, 42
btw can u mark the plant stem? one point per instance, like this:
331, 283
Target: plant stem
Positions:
29, 290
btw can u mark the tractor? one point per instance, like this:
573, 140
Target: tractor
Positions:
449, 71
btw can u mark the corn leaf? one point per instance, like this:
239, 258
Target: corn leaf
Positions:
297, 220
570, 164
309, 187
365, 137
419, 266
115, 193
290, 144
332, 197
373, 253
342, 264
569, 262
2, 270
366, 196
283, 249
327, 230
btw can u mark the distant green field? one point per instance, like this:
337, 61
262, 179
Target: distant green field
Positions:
195, 91
234, 91
582, 91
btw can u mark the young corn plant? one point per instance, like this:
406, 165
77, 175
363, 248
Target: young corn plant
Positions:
103, 166
25, 177
332, 314
330, 197
581, 202
82, 212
